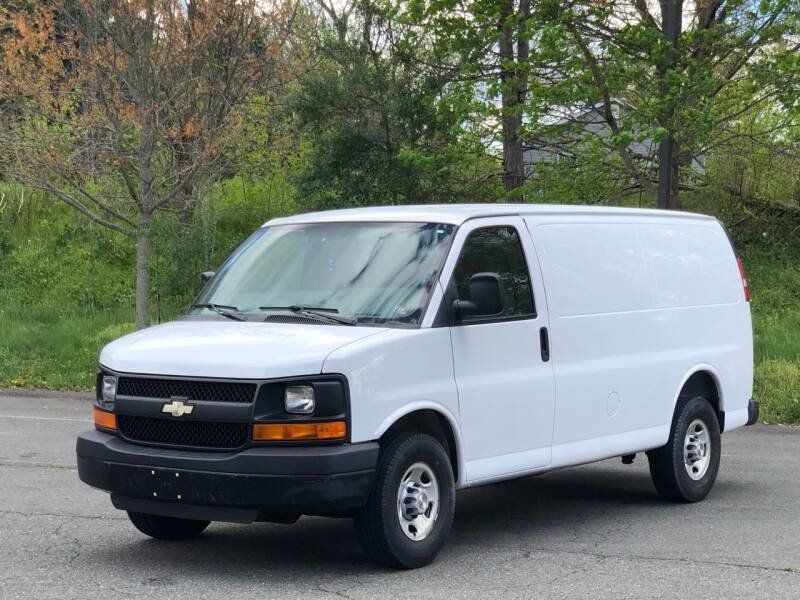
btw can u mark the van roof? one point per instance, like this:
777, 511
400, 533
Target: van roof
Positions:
456, 214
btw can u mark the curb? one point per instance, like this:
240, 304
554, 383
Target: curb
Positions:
38, 393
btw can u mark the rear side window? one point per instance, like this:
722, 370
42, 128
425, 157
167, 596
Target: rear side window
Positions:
497, 250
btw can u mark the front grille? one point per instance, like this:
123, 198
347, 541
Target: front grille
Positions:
182, 433
219, 391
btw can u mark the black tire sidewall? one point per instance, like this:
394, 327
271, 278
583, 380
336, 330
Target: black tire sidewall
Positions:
167, 528
695, 408
400, 454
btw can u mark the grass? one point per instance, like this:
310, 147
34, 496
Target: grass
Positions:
775, 287
777, 387
777, 373
41, 348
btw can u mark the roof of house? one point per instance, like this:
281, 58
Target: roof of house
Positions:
456, 214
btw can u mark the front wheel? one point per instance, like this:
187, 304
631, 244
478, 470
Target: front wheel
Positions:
409, 512
684, 470
167, 528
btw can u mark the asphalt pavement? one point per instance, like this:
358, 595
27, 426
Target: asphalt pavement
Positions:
596, 531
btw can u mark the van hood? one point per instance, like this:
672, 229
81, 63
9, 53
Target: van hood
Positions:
230, 349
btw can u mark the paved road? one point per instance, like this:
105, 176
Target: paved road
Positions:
597, 531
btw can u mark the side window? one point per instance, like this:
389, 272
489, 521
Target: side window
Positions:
497, 250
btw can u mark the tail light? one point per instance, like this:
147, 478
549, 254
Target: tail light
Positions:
744, 280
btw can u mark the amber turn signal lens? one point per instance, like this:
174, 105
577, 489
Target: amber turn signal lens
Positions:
272, 432
104, 419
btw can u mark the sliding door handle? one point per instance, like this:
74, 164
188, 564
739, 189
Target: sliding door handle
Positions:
544, 344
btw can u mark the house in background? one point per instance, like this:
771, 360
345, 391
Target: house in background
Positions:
561, 136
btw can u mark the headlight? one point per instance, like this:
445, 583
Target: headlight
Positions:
108, 392
299, 399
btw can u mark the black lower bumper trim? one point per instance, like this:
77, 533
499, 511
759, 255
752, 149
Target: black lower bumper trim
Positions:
185, 511
254, 484
752, 412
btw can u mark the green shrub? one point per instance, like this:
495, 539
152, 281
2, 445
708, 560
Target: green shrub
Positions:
777, 388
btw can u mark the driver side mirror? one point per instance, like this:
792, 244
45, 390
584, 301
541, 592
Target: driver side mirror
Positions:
486, 297
205, 277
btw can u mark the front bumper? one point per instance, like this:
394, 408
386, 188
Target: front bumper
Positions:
263, 483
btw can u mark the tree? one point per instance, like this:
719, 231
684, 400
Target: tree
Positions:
375, 120
599, 53
120, 107
757, 165
514, 54
485, 48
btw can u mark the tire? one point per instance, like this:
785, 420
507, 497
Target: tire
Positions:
669, 469
385, 535
167, 528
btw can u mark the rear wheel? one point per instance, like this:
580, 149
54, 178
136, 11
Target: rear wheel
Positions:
410, 510
684, 470
167, 528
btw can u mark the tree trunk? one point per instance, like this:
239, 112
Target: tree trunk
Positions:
671, 21
675, 180
513, 165
514, 82
143, 272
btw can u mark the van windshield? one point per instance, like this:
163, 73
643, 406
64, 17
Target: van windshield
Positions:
359, 272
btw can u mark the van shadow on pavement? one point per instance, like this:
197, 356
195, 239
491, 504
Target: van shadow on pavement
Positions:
572, 509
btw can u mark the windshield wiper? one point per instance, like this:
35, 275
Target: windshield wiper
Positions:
221, 309
331, 314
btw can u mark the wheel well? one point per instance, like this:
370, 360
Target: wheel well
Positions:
703, 384
434, 424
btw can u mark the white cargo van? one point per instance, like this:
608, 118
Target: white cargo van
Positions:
371, 362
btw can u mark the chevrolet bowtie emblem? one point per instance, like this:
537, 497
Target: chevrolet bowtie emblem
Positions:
177, 408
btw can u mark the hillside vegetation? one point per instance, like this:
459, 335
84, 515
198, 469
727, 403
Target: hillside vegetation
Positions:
66, 291
141, 141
